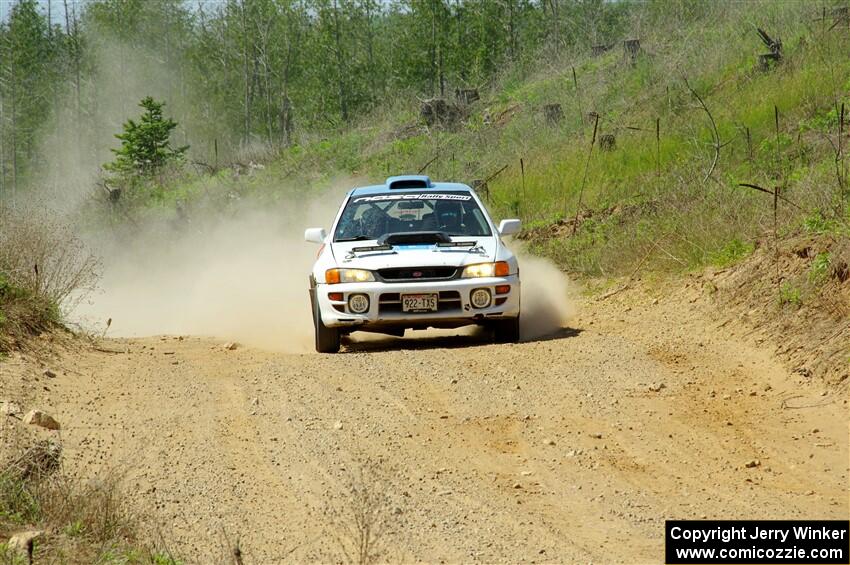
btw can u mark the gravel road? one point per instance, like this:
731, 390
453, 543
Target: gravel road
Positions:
573, 448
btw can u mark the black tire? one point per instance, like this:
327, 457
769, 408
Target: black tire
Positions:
327, 339
507, 331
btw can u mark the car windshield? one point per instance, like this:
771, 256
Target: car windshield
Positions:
370, 217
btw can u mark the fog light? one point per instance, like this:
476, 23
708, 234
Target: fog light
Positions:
480, 298
358, 303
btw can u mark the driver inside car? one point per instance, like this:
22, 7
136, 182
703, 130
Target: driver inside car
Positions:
449, 217
446, 217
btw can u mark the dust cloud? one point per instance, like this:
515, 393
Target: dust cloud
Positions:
243, 276
547, 298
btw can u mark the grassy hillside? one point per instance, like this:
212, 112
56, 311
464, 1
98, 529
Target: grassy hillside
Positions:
697, 69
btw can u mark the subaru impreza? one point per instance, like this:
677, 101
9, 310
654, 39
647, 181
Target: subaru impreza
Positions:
413, 254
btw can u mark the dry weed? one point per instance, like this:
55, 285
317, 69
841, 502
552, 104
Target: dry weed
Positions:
362, 525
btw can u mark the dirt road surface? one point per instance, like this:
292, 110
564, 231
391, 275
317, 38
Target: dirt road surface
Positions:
573, 448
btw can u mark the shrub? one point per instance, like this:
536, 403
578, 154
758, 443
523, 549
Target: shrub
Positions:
44, 268
85, 521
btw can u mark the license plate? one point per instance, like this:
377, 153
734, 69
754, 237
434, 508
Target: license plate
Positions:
418, 302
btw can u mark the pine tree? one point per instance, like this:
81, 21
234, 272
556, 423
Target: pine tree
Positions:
146, 145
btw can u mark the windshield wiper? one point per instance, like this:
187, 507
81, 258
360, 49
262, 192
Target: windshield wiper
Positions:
355, 238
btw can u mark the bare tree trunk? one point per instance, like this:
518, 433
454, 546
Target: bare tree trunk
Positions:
340, 63
247, 99
433, 50
11, 84
459, 26
75, 46
14, 139
440, 54
2, 151
263, 34
370, 49
512, 38
286, 105
554, 18
54, 94
166, 17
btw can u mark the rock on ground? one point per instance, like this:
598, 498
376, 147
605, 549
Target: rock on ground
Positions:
21, 543
42, 419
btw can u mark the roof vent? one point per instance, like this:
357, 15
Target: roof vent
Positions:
409, 181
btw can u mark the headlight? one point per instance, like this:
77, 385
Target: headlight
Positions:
336, 276
497, 269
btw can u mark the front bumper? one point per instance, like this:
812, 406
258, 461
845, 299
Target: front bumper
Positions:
454, 307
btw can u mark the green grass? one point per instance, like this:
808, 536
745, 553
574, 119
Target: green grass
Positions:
789, 293
816, 223
820, 268
75, 529
7, 557
731, 253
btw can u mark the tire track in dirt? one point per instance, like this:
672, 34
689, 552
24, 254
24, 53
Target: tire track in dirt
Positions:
560, 450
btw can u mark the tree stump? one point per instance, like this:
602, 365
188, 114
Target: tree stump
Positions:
769, 60
597, 50
631, 50
467, 95
486, 117
553, 113
607, 142
437, 111
285, 120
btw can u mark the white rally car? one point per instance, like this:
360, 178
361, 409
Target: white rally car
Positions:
412, 253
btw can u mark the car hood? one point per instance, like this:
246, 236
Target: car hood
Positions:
415, 255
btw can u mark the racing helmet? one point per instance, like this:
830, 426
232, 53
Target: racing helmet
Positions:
449, 215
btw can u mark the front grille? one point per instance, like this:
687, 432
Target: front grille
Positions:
415, 274
448, 301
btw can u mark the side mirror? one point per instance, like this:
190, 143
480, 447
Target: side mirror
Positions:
315, 235
508, 227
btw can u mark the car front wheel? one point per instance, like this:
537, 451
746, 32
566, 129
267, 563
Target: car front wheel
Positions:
507, 331
327, 339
